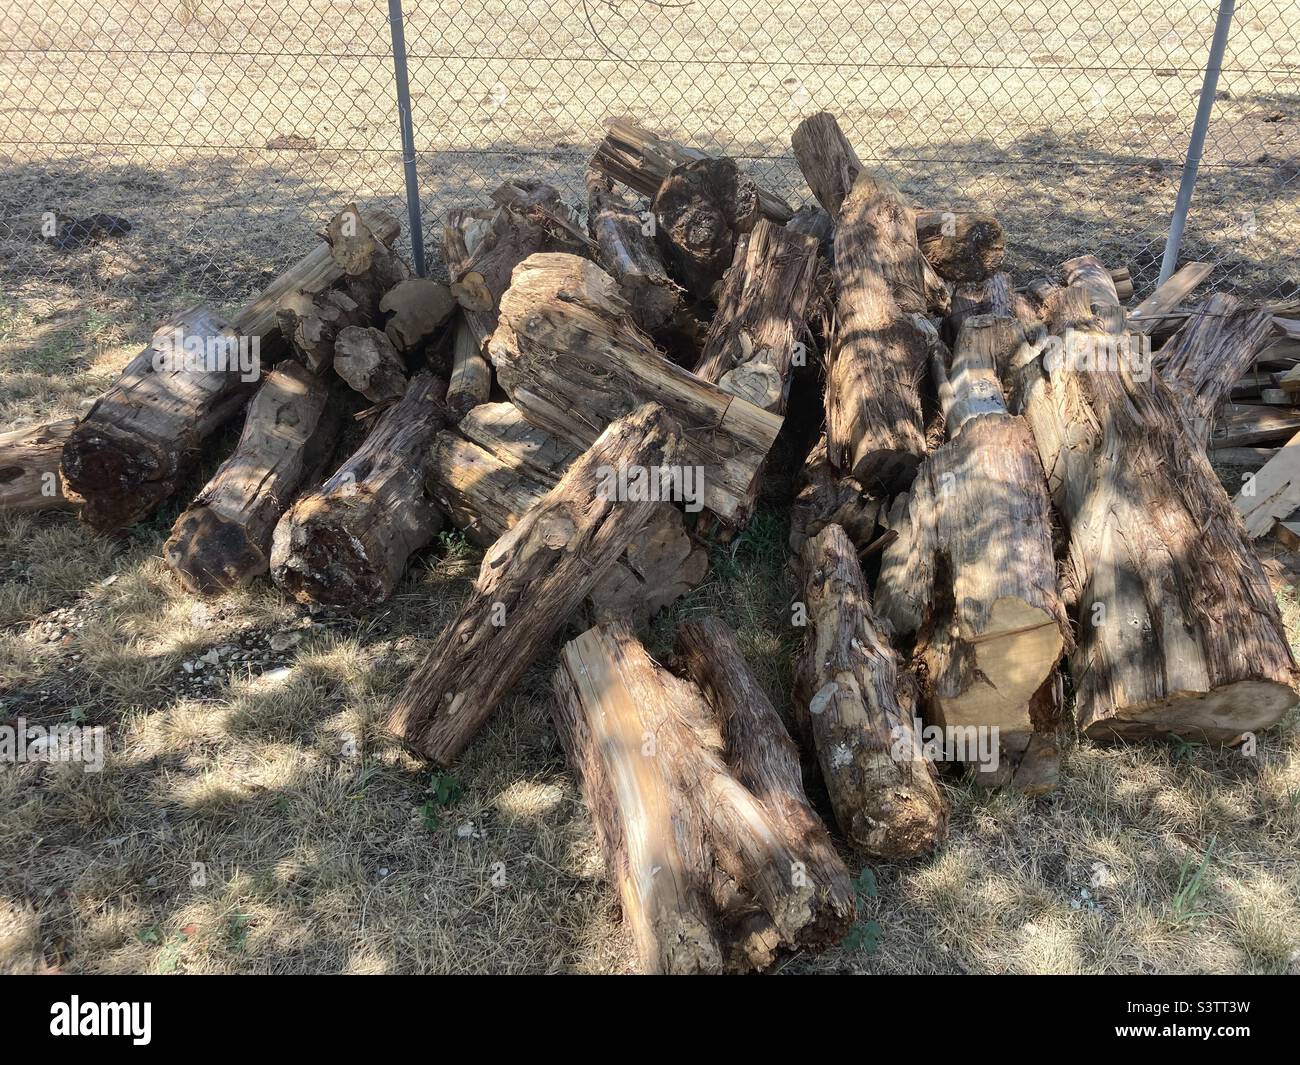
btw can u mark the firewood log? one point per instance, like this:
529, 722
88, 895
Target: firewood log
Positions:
962, 246
972, 573
223, 539
312, 322
347, 542
1213, 348
29, 467
471, 376
642, 160
366, 359
710, 875
568, 354
701, 210
531, 581
764, 759
854, 704
630, 255
487, 476
1178, 630
141, 437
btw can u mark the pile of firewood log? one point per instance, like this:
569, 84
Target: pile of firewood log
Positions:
1007, 507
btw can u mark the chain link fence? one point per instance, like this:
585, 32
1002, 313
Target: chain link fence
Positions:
226, 133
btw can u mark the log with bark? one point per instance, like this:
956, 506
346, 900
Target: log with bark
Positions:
855, 704
962, 246
487, 475
347, 542
971, 574
710, 875
531, 581
642, 160
223, 539
30, 478
1209, 352
627, 250
1178, 631
568, 354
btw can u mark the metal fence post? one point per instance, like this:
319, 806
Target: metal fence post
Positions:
1197, 143
397, 28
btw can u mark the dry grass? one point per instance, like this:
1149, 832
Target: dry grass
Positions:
320, 847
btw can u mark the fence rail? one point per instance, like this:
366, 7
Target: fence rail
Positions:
226, 132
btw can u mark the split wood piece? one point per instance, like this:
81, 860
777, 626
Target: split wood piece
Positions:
486, 484
532, 579
764, 759
813, 221
142, 436
30, 478
347, 542
823, 497
319, 270
1178, 631
642, 160
568, 354
1212, 348
855, 707
417, 307
706, 871
629, 253
311, 324
701, 210
1273, 492
972, 573
962, 246
833, 172
1244, 424
366, 359
471, 376
223, 539
1149, 316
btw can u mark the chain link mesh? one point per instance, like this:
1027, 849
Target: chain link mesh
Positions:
227, 132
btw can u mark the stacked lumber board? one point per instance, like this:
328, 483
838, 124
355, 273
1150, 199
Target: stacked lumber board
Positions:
1000, 492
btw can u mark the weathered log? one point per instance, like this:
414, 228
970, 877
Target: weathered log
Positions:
312, 322
141, 437
855, 707
765, 760
30, 478
347, 542
823, 497
487, 476
642, 160
417, 308
531, 581
709, 874
223, 539
630, 255
366, 359
471, 376
1178, 630
971, 573
701, 210
1208, 353
962, 246
568, 354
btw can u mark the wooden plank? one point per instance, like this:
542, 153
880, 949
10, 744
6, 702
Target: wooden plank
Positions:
1273, 492
1148, 314
1244, 424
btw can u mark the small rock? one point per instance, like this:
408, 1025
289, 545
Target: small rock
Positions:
282, 641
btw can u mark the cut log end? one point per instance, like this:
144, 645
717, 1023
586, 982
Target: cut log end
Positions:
1221, 716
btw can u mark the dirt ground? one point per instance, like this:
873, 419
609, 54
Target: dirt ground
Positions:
250, 817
